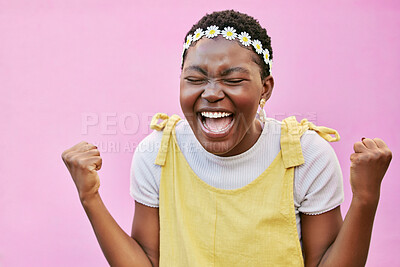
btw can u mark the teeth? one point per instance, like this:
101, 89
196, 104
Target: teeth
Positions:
215, 114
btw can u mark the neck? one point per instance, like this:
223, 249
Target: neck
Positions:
248, 140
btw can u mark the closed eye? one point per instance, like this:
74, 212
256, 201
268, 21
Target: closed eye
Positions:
195, 80
233, 81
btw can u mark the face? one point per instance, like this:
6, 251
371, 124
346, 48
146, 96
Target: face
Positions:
220, 89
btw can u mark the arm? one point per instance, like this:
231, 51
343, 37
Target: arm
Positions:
118, 247
318, 233
146, 231
350, 247
83, 161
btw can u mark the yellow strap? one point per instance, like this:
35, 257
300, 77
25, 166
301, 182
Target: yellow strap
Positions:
324, 132
291, 131
166, 125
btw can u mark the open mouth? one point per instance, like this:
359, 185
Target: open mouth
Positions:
216, 124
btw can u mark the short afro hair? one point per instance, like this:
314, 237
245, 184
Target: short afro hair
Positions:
241, 23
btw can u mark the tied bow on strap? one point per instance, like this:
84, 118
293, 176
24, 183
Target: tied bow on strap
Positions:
159, 126
322, 131
166, 125
291, 131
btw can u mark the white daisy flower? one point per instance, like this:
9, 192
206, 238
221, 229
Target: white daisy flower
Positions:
258, 46
189, 39
229, 33
244, 38
266, 56
198, 34
212, 31
270, 66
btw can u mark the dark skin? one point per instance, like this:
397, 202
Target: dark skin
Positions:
221, 74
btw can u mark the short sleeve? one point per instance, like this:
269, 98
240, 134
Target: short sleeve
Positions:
319, 181
145, 175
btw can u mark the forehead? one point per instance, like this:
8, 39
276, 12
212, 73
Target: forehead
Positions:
219, 53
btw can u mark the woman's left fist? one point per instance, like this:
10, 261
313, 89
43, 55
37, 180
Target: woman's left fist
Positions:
368, 166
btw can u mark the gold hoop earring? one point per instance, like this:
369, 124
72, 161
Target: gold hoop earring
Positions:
261, 113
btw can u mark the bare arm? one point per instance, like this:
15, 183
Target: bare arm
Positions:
118, 247
146, 230
329, 242
350, 247
318, 233
83, 161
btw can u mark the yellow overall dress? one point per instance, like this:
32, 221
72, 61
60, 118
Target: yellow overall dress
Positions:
254, 225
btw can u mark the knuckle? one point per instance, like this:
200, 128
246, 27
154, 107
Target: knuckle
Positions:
387, 150
81, 144
75, 160
66, 156
80, 162
375, 154
365, 157
383, 154
388, 154
357, 159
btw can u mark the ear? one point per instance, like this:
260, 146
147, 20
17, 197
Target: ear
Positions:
268, 85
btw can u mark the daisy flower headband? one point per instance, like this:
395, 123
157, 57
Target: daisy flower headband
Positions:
229, 33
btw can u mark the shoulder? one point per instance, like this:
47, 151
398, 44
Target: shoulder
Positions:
149, 144
272, 128
144, 174
314, 146
318, 153
319, 181
147, 149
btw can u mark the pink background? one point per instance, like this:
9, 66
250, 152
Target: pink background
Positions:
61, 62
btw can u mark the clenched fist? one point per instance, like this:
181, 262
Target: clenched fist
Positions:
368, 166
83, 161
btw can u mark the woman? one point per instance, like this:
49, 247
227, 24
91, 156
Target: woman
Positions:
231, 202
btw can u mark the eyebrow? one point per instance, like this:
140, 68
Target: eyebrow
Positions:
223, 73
234, 69
196, 68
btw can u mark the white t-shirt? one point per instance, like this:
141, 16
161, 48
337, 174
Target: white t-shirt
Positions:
318, 183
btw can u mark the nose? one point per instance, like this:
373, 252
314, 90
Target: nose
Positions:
212, 92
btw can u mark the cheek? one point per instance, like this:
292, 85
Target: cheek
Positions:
246, 103
188, 98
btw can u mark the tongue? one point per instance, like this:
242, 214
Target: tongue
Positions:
217, 124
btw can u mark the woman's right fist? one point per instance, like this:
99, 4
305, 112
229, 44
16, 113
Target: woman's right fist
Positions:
83, 161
